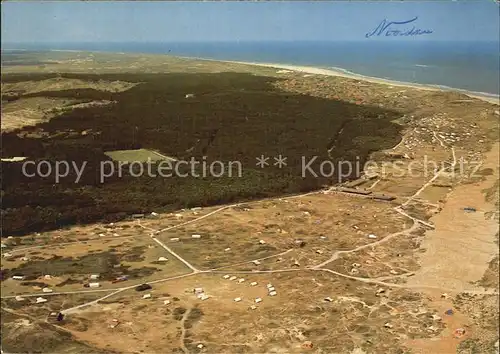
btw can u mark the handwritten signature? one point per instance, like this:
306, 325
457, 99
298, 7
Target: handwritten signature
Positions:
389, 30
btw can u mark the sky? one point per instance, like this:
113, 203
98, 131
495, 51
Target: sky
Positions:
83, 21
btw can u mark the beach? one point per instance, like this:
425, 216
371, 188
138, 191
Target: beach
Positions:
342, 73
285, 64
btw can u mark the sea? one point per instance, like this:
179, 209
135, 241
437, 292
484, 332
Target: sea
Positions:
467, 66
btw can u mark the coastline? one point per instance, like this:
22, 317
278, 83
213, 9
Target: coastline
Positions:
313, 70
339, 72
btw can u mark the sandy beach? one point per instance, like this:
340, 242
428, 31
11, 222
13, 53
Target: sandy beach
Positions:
491, 98
339, 73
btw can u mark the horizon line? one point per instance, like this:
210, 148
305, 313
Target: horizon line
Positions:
261, 41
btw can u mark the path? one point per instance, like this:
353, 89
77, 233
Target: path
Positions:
183, 330
410, 286
318, 267
336, 255
195, 270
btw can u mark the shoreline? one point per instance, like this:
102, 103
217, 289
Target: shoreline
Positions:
339, 72
313, 70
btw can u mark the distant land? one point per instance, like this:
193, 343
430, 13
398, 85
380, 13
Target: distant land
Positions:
470, 66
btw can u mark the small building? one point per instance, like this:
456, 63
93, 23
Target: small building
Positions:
203, 297
40, 300
198, 290
94, 285
238, 299
174, 239
146, 296
354, 191
162, 259
114, 323
94, 276
195, 236
300, 243
120, 279
18, 277
383, 197
47, 290
396, 155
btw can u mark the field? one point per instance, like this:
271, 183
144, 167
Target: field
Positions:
139, 155
376, 272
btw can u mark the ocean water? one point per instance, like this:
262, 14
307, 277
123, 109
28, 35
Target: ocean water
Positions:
470, 66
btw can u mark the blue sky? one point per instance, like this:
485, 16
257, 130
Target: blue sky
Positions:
32, 22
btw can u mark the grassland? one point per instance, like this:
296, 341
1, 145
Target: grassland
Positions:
140, 155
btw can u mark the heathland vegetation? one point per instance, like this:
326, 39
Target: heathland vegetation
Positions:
220, 116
